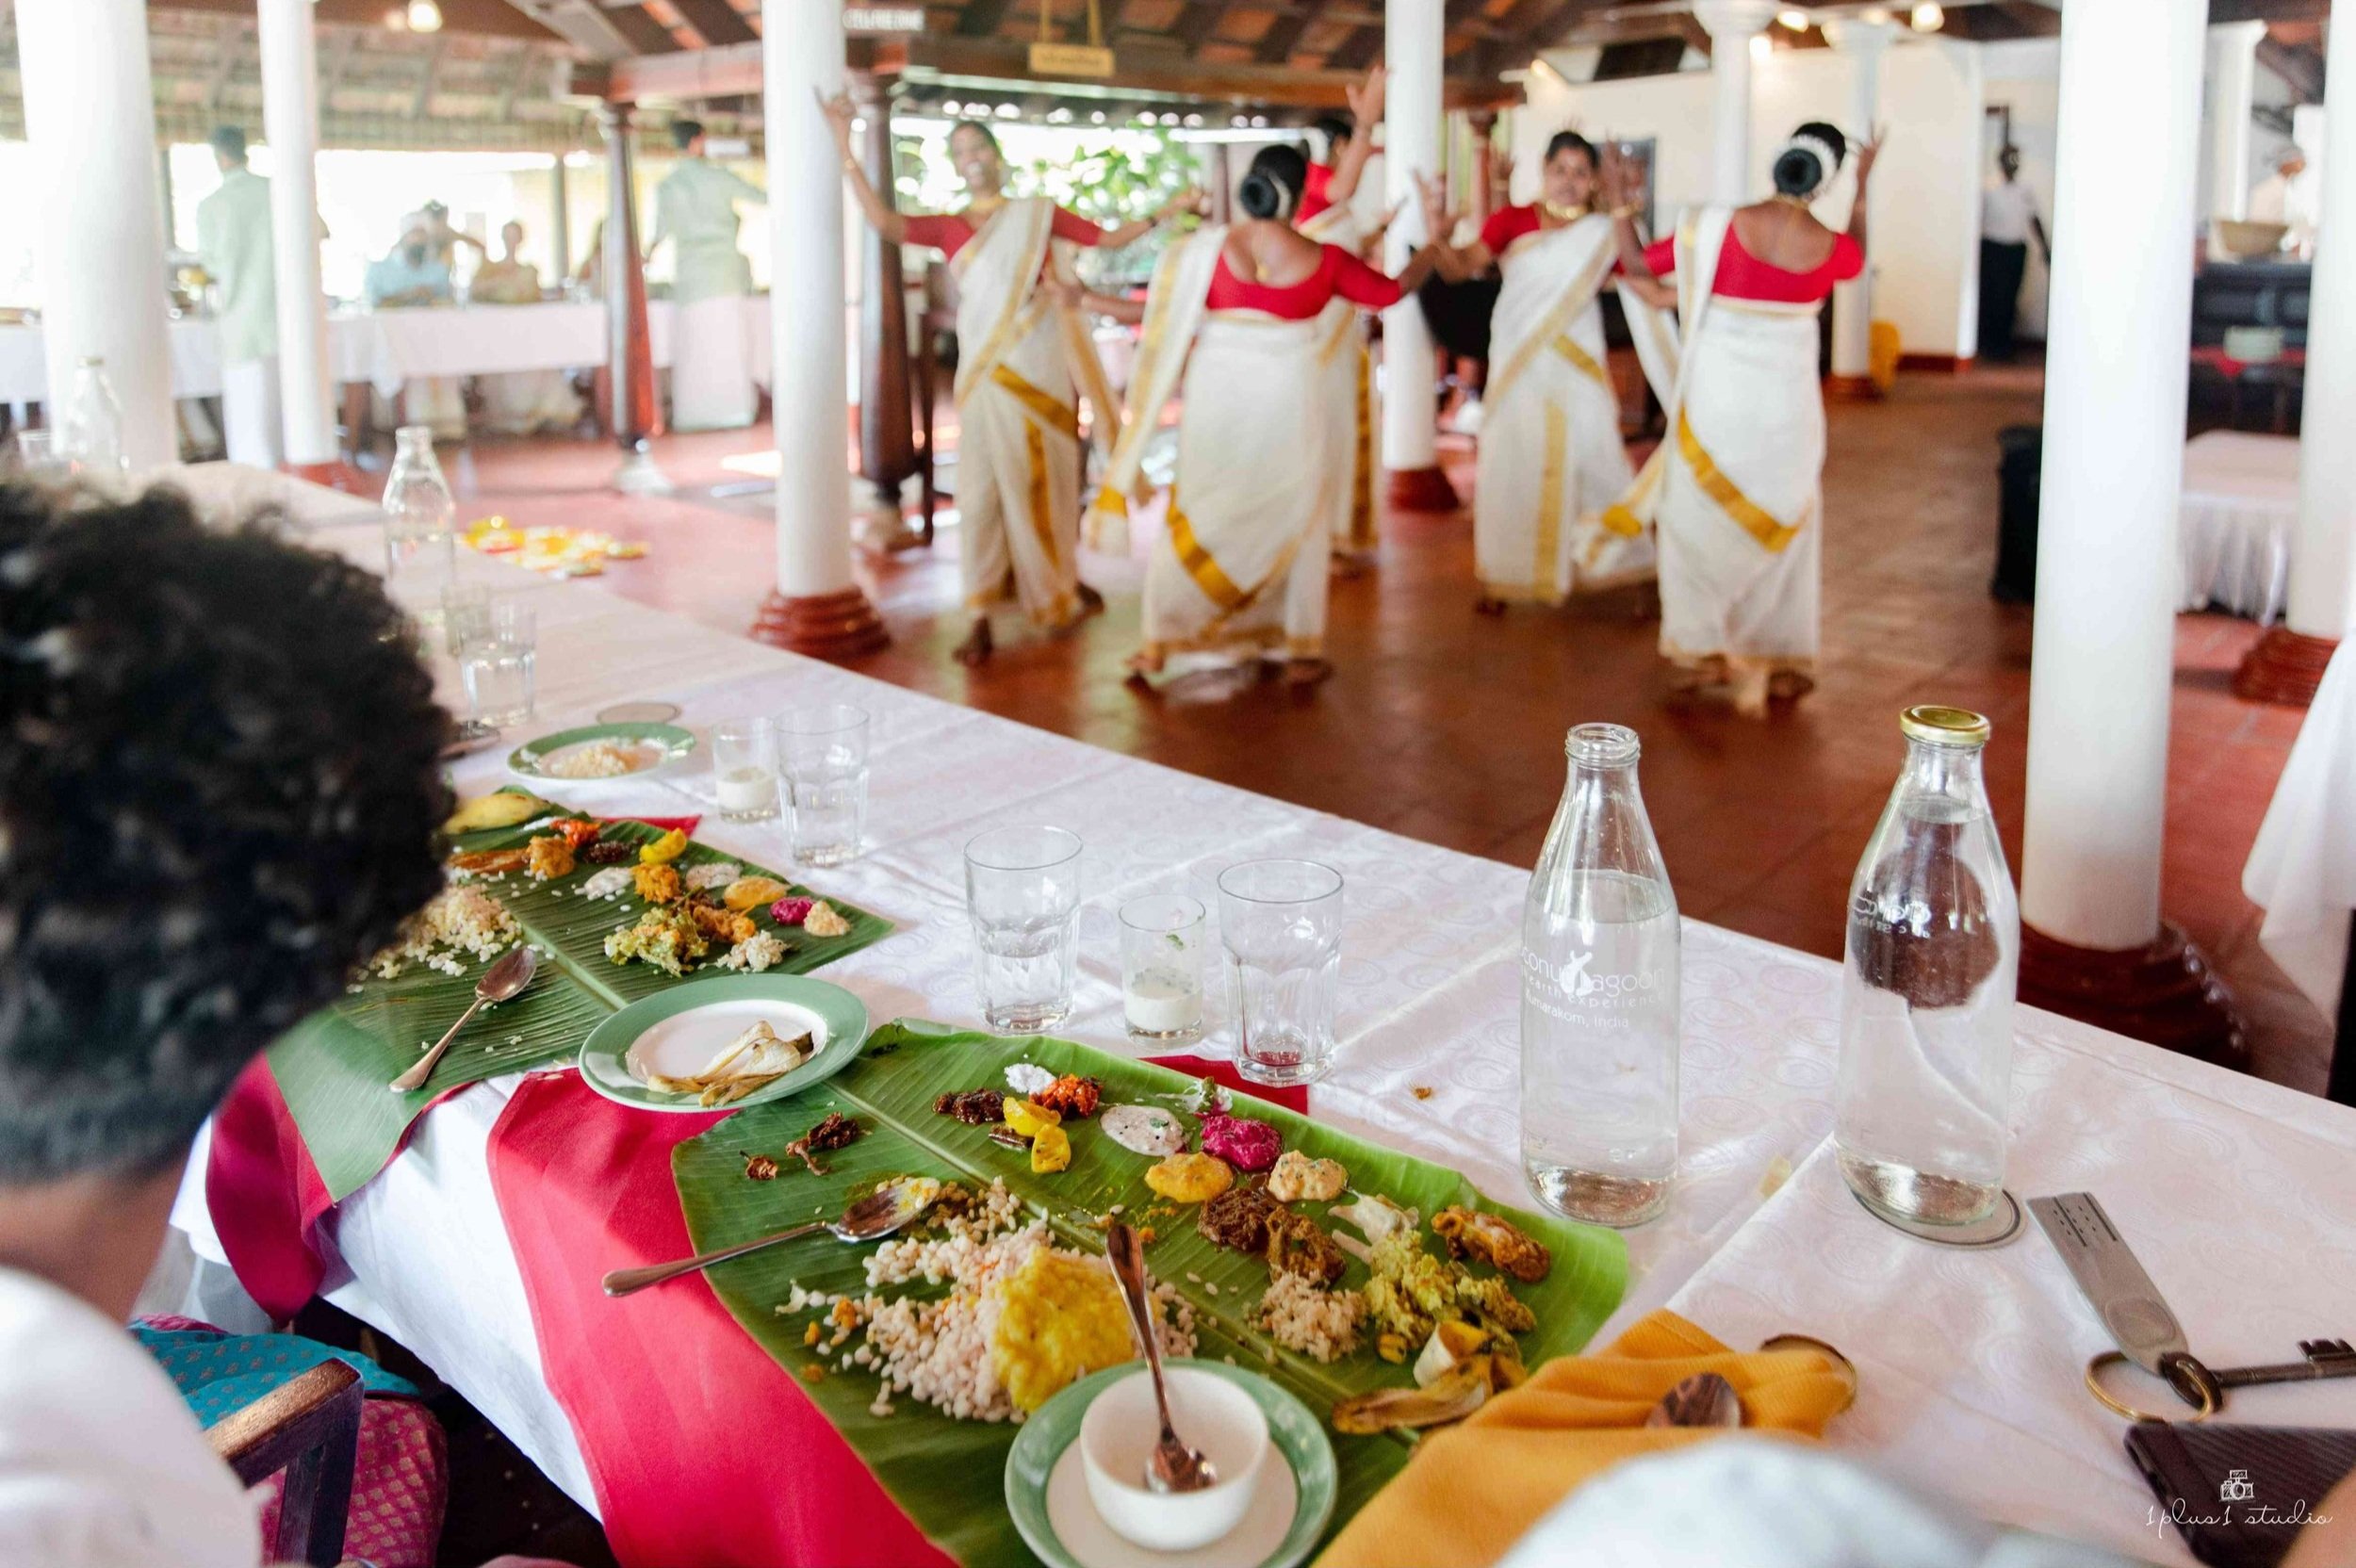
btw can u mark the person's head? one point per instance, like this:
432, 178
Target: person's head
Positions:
1271, 188
416, 240
219, 793
1809, 159
973, 151
2291, 162
2008, 161
688, 137
1336, 133
228, 147
511, 238
1568, 173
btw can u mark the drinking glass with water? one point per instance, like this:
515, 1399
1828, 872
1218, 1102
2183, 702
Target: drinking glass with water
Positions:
1927, 978
822, 752
1023, 894
497, 666
1281, 924
1599, 997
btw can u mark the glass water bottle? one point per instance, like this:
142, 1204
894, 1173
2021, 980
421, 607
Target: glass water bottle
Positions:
421, 550
1927, 982
1599, 997
93, 423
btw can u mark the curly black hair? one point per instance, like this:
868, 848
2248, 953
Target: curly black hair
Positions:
219, 792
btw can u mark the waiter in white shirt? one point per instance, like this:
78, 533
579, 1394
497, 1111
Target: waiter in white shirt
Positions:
2290, 196
233, 241
695, 208
2008, 220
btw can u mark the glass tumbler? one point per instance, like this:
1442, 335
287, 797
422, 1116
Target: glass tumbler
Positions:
496, 668
1162, 938
1022, 893
466, 615
1281, 924
744, 766
822, 752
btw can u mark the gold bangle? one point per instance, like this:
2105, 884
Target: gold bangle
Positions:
1623, 214
2206, 1408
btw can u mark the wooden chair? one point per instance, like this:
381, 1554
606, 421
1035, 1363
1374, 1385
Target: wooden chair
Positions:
310, 1428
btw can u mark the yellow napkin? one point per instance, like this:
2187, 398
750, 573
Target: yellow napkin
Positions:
1472, 1489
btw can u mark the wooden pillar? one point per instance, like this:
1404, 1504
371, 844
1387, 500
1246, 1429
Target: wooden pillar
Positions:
887, 444
629, 347
560, 224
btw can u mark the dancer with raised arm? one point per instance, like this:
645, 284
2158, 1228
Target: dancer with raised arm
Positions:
1024, 359
1552, 468
1736, 489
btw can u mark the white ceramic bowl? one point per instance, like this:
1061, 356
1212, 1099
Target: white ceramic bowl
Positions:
1117, 1437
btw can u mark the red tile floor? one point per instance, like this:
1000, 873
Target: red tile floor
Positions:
1448, 727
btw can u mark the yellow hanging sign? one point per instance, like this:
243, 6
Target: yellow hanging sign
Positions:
1051, 59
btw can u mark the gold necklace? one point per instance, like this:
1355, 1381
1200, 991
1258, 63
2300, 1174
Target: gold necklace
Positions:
1563, 214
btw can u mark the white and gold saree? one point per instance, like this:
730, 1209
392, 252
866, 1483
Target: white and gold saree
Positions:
1348, 394
1023, 358
1735, 488
1551, 464
1241, 565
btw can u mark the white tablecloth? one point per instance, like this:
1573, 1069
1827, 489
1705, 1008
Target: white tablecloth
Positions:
388, 347
2302, 869
2232, 1191
2234, 523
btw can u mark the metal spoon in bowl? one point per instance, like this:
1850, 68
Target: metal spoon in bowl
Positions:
1172, 1466
890, 1208
502, 981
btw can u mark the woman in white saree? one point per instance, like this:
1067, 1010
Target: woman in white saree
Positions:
1327, 215
1736, 487
1552, 468
1024, 360
1236, 311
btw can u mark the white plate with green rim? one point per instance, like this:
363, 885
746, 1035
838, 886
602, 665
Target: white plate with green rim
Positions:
1047, 1491
656, 746
676, 1032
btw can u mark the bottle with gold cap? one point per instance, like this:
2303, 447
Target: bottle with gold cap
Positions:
1927, 982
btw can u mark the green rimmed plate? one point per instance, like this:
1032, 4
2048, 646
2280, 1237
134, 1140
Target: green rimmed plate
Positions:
1044, 1488
677, 1031
664, 744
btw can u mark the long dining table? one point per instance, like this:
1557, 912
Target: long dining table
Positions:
2234, 1192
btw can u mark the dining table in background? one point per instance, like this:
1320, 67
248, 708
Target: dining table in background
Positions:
2231, 1190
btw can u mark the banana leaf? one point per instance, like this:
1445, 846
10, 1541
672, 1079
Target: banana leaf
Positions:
333, 1067
946, 1473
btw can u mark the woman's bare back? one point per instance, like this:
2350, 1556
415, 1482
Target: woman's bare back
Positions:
1783, 234
1260, 250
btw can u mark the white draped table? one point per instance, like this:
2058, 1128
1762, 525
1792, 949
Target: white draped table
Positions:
2302, 869
2234, 523
2234, 1192
388, 347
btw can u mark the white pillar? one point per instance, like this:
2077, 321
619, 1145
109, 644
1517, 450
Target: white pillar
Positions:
2233, 90
89, 117
1414, 47
1852, 301
811, 412
2323, 551
1732, 25
290, 122
2128, 145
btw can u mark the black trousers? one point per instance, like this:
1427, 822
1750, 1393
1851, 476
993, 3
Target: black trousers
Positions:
2001, 269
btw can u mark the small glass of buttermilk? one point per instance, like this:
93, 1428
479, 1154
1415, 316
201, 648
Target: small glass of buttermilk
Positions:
745, 767
1161, 967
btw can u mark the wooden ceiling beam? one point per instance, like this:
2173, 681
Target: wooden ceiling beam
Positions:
2268, 10
705, 73
1284, 34
980, 17
716, 22
1360, 50
464, 18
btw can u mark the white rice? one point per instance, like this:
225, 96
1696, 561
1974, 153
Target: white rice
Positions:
1321, 1324
596, 759
462, 919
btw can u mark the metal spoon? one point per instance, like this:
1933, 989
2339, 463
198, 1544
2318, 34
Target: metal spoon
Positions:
1704, 1399
1172, 1466
890, 1208
505, 979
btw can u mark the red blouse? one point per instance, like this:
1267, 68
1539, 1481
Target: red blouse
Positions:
1338, 274
1506, 226
949, 232
1314, 199
1744, 276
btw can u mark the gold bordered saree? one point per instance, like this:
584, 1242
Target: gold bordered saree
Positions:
1552, 462
1735, 489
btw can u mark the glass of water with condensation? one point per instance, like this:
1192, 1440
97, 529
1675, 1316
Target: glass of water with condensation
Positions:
1023, 894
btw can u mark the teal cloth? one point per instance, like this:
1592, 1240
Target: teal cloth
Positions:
220, 1374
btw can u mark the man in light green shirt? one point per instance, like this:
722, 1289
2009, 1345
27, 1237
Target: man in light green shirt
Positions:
695, 208
233, 242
